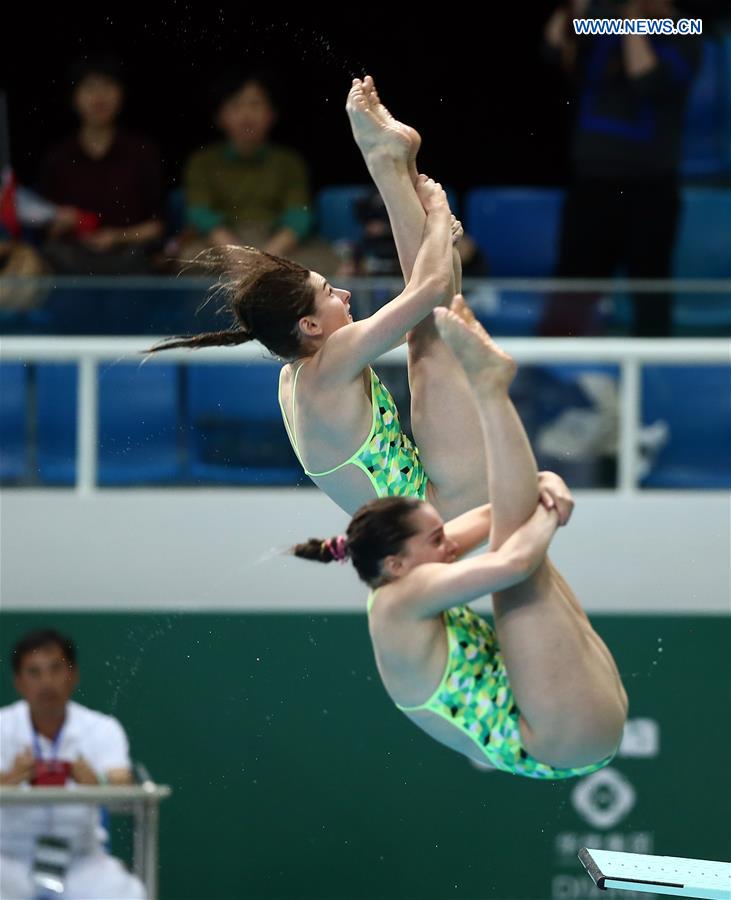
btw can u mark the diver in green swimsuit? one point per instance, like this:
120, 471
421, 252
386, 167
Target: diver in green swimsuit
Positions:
539, 694
340, 402
387, 457
331, 400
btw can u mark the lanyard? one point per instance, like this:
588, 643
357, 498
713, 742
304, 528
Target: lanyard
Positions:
37, 752
55, 743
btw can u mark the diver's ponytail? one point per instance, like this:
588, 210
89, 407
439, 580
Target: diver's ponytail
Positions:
265, 295
331, 550
379, 529
210, 339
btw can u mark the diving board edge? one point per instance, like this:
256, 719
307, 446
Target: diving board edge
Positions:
697, 878
592, 868
600, 878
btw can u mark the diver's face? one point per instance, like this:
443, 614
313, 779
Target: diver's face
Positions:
247, 116
429, 545
332, 309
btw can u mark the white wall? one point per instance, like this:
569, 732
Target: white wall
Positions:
141, 550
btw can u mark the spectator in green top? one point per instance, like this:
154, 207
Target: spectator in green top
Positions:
246, 189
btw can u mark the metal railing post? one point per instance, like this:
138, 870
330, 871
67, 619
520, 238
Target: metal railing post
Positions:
87, 426
629, 425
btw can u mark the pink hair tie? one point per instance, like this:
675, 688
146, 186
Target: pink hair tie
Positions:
338, 548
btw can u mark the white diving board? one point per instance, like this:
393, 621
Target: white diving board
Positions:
658, 874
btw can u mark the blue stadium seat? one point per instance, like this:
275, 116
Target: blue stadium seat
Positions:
138, 424
335, 210
56, 422
13, 413
139, 438
236, 431
517, 229
703, 246
507, 313
702, 151
695, 402
703, 250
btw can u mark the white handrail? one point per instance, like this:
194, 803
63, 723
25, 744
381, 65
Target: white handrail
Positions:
91, 795
628, 353
525, 350
142, 800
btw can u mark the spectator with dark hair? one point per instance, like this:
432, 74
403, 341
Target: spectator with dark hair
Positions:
622, 206
375, 253
246, 189
106, 170
47, 739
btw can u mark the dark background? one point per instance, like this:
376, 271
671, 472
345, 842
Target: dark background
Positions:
490, 108
473, 80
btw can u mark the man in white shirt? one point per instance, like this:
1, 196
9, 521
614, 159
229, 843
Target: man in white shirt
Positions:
45, 738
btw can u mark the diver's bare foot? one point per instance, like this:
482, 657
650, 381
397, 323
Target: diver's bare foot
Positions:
460, 307
472, 345
457, 230
385, 116
373, 133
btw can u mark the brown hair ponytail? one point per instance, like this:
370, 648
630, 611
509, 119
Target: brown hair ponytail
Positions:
210, 339
266, 296
331, 550
377, 530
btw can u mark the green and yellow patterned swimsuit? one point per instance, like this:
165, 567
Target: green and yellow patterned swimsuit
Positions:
388, 458
475, 696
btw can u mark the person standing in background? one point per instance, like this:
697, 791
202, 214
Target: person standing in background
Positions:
623, 203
